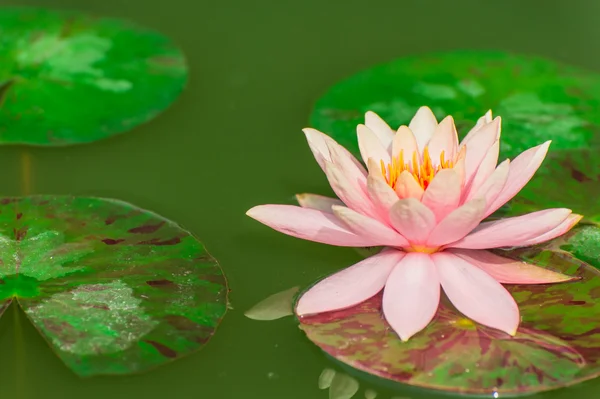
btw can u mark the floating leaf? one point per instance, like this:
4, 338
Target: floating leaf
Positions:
343, 387
113, 289
557, 344
325, 378
274, 307
370, 394
69, 78
538, 100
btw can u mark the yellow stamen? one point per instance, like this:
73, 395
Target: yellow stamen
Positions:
422, 249
423, 170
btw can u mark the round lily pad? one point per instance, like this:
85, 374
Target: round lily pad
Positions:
557, 343
71, 78
538, 100
113, 289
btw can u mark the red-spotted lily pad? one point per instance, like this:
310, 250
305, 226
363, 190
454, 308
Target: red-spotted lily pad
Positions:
557, 344
538, 100
69, 78
113, 289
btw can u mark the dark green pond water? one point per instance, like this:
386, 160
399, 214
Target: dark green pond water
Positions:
233, 140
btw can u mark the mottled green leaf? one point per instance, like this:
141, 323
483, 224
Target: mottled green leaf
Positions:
69, 78
274, 307
538, 100
113, 289
558, 342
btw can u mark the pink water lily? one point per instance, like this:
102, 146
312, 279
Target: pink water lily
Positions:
423, 196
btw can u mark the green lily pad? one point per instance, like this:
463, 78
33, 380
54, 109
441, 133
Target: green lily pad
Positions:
557, 344
113, 289
71, 78
538, 100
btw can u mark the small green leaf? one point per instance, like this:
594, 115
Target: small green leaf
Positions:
343, 387
274, 307
325, 378
70, 78
370, 394
113, 289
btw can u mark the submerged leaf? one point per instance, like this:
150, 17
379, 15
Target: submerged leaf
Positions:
113, 289
343, 387
70, 78
274, 307
557, 344
325, 378
370, 394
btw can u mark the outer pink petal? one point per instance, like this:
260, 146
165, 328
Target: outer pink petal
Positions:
367, 227
457, 224
383, 131
443, 194
513, 232
405, 142
561, 229
486, 168
423, 125
413, 220
476, 294
407, 186
444, 139
308, 224
350, 286
320, 144
318, 202
478, 146
382, 195
350, 191
370, 146
521, 171
510, 271
485, 119
491, 188
411, 295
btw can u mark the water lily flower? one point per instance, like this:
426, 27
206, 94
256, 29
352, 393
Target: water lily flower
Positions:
423, 196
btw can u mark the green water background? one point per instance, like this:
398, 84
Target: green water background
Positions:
232, 141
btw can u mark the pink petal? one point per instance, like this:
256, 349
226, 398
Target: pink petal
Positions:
405, 142
491, 188
367, 227
513, 232
370, 146
350, 286
559, 230
411, 295
486, 168
444, 139
457, 224
521, 171
478, 146
484, 120
443, 193
352, 191
412, 219
510, 271
320, 144
308, 224
476, 294
407, 186
382, 195
383, 131
318, 202
423, 125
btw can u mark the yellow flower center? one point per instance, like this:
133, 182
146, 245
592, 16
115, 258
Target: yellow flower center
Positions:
422, 170
422, 249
